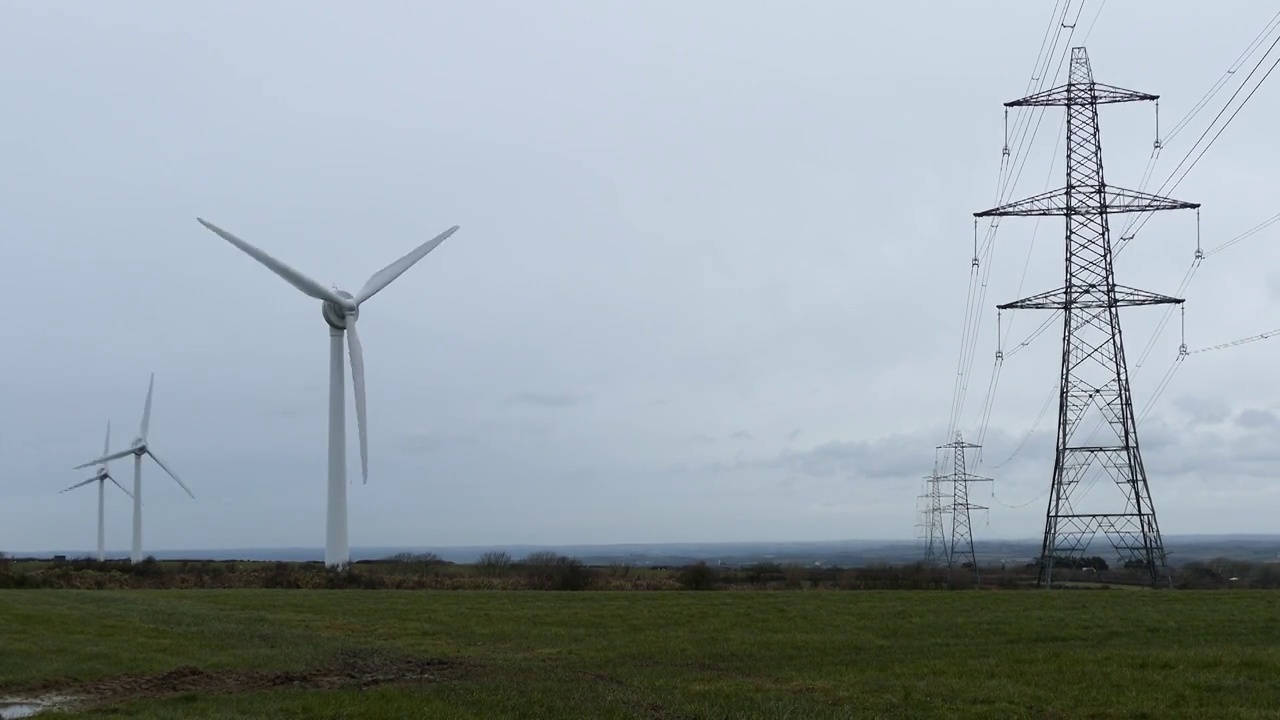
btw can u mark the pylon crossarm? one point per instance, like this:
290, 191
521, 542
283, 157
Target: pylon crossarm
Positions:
1090, 297
1088, 93
1087, 200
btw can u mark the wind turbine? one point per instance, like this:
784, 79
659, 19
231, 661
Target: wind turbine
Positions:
340, 310
101, 477
137, 449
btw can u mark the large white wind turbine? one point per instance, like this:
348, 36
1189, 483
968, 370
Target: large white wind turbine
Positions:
101, 477
137, 449
340, 311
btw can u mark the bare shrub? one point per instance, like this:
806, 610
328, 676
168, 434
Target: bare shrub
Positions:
794, 576
698, 576
549, 571
763, 573
494, 563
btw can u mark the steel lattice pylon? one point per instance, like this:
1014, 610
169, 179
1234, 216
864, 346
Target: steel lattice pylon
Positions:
961, 550
1095, 379
935, 552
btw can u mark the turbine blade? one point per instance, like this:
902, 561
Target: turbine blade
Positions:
80, 484
105, 458
117, 484
290, 275
106, 445
383, 277
146, 409
171, 473
357, 385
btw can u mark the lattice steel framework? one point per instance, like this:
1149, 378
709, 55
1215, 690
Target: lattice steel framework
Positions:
934, 531
961, 550
1095, 379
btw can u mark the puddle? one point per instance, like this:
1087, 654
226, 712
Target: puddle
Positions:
14, 708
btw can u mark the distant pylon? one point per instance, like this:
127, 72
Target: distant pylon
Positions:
1094, 378
961, 550
935, 553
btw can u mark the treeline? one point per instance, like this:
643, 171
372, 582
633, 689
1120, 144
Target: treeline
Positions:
426, 571
492, 571
551, 571
1222, 573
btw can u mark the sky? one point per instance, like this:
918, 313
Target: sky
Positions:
709, 284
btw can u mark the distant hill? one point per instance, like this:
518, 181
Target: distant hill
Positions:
846, 553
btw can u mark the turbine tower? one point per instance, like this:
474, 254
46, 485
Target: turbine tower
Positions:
101, 476
1094, 391
340, 310
139, 447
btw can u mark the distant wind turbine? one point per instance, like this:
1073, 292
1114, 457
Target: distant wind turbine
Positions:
137, 449
340, 311
101, 477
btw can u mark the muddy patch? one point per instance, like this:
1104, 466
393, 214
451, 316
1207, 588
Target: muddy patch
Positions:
347, 671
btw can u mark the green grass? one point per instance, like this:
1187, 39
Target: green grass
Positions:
795, 655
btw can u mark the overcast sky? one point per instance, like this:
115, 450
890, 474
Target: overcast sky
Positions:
709, 283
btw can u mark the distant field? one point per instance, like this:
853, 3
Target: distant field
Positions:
357, 654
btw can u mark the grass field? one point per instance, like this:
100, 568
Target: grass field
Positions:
353, 654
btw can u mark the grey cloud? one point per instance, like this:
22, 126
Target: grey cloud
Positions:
1204, 410
1256, 418
894, 456
427, 443
286, 412
740, 435
1170, 450
546, 400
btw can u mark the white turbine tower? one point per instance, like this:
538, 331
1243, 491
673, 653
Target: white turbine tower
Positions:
340, 311
137, 449
101, 477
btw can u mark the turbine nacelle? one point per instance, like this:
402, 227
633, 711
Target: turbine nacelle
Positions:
337, 316
103, 474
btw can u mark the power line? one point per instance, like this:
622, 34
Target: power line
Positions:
1048, 322
1244, 235
1234, 343
1044, 409
1232, 117
1223, 79
1166, 187
1025, 132
984, 413
979, 276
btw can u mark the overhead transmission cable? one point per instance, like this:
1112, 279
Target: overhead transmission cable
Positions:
1219, 84
1025, 133
1170, 183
